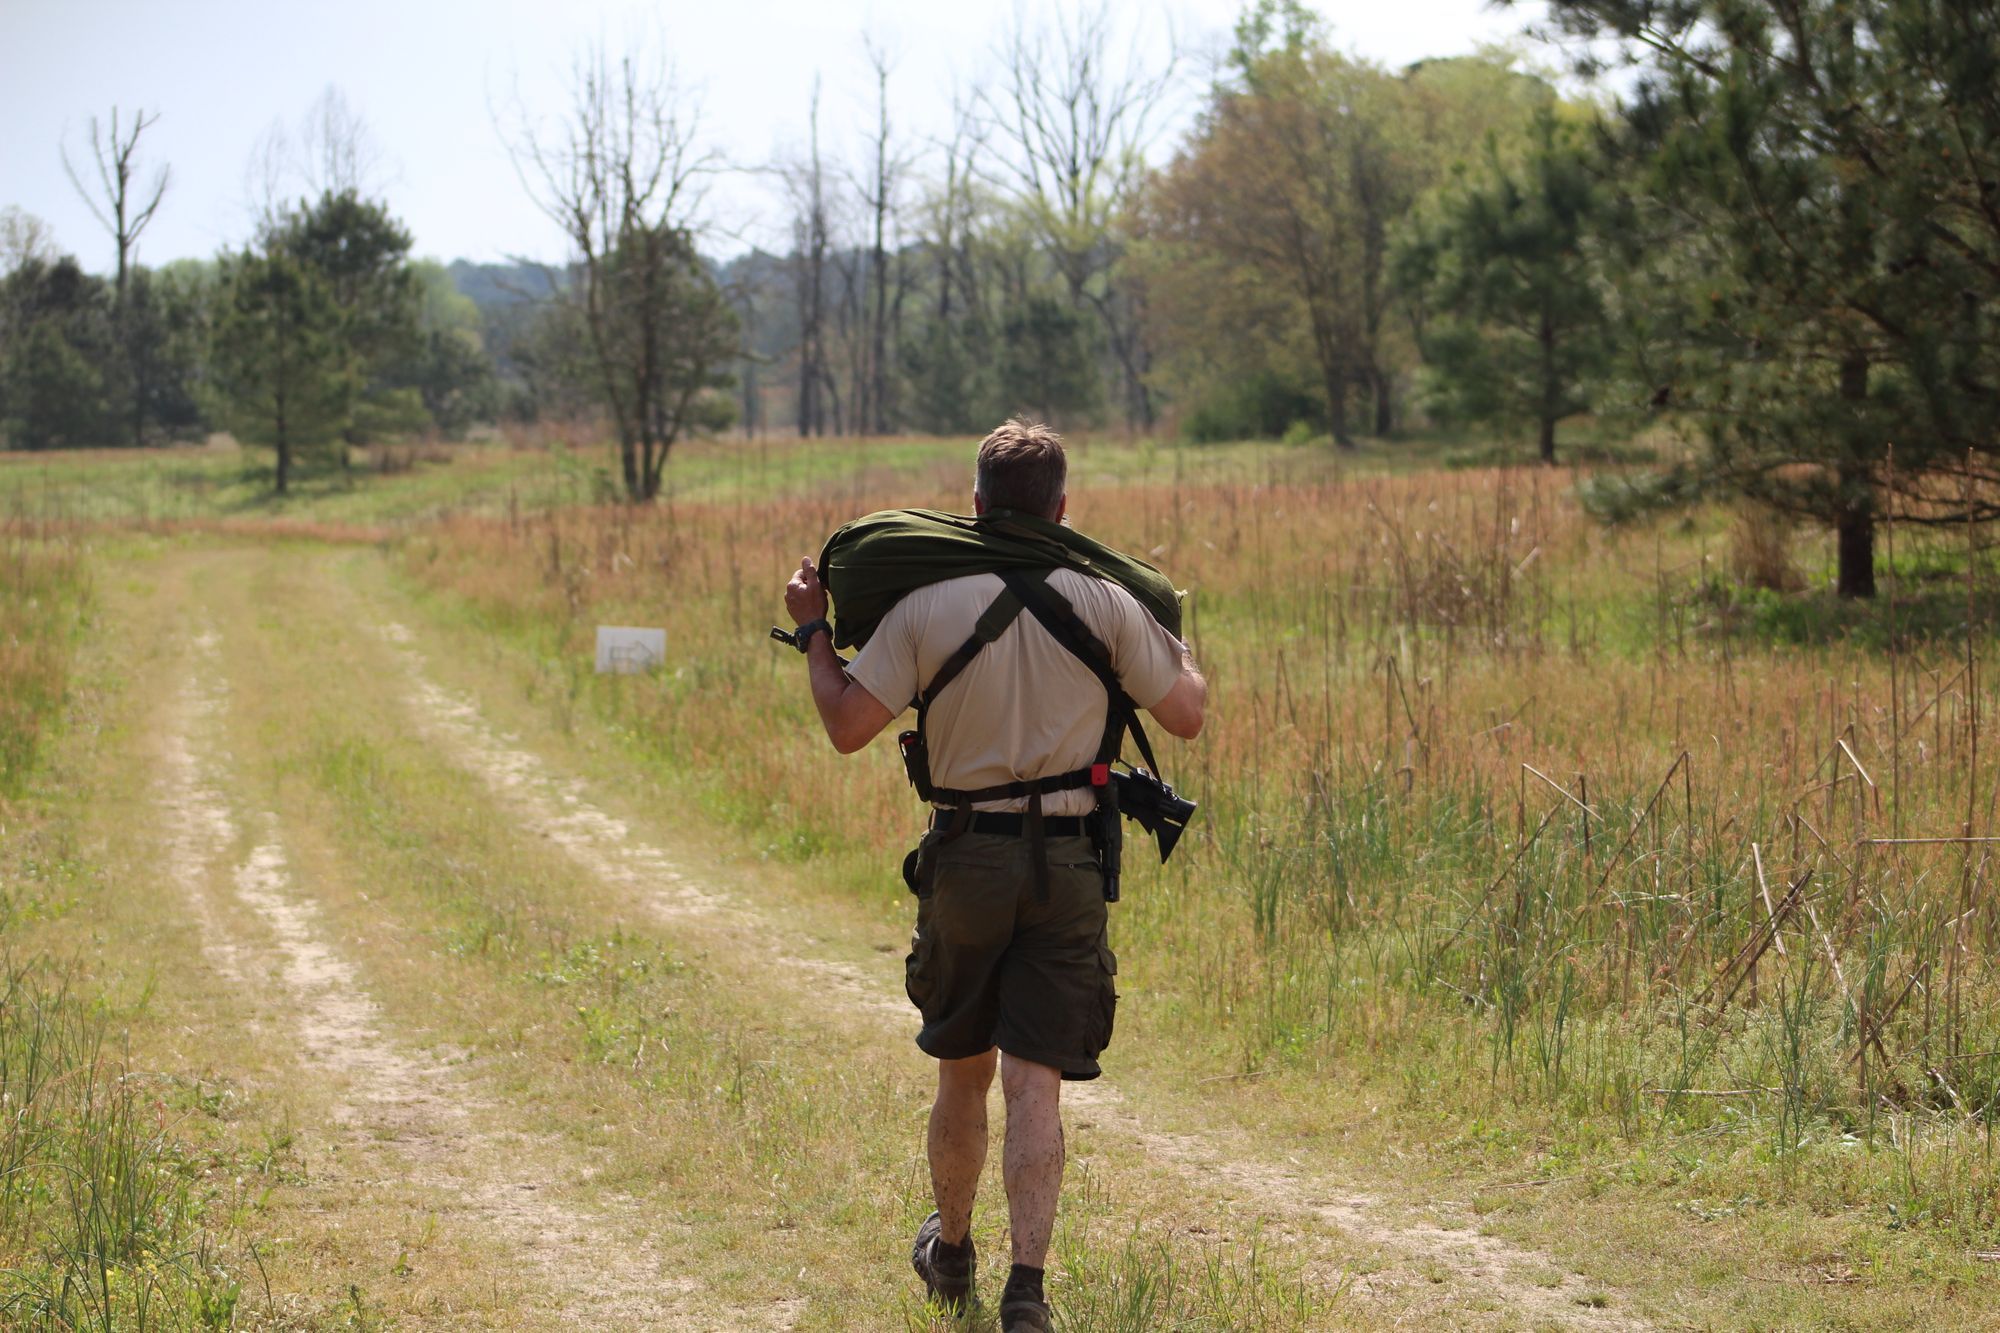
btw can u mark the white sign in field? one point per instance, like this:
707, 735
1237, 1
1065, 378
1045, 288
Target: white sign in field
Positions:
626, 650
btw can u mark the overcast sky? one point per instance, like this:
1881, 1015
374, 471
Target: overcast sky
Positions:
425, 75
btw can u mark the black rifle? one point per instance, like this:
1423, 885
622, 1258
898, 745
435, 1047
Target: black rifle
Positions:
1154, 807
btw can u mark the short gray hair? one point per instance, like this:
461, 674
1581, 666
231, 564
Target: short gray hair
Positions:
1022, 466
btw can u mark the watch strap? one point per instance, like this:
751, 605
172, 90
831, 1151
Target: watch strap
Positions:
802, 636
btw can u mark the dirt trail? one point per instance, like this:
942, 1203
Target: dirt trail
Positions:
199, 826
600, 842
1490, 1280
403, 1118
1519, 1282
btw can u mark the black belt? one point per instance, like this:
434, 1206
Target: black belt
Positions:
1014, 825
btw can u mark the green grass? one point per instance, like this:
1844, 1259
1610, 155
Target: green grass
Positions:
219, 482
105, 1205
44, 593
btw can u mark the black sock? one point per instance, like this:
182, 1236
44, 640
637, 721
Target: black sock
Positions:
1024, 1281
942, 1250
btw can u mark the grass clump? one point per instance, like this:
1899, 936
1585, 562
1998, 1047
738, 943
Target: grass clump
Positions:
43, 590
101, 1204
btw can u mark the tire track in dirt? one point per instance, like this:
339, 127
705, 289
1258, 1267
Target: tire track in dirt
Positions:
1522, 1283
601, 843
409, 1119
199, 825
1526, 1283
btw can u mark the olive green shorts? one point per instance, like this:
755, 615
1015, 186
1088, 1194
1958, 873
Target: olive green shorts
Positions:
992, 965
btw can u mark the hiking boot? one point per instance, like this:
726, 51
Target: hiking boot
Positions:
947, 1277
1023, 1314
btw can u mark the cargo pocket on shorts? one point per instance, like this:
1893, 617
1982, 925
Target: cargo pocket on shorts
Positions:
1107, 995
919, 979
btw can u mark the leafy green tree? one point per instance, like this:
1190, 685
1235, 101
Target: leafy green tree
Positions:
1268, 244
452, 372
1816, 247
455, 381
167, 314
1265, 202
281, 374
949, 374
1505, 263
53, 392
1047, 364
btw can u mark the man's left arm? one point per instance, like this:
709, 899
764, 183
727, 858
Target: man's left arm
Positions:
852, 716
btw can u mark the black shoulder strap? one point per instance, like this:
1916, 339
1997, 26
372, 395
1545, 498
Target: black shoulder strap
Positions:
1060, 619
992, 623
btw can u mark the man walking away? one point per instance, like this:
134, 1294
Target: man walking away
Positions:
1010, 963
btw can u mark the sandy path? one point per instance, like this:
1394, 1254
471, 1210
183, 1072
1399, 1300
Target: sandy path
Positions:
1524, 1284
1492, 1281
601, 843
402, 1118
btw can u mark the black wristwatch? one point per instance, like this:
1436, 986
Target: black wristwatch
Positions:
802, 636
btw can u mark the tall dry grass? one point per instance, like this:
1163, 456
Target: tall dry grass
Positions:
43, 586
1495, 804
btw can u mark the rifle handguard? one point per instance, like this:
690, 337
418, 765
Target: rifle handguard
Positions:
1155, 807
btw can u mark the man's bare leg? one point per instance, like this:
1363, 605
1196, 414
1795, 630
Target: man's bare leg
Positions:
1033, 1158
958, 1141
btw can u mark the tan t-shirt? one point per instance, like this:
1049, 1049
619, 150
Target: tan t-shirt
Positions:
1025, 707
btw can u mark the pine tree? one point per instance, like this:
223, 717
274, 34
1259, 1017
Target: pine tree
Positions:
282, 374
1815, 235
362, 255
1504, 262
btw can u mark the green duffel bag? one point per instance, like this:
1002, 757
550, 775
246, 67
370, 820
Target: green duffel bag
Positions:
872, 563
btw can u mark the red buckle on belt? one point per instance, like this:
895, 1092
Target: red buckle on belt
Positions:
1100, 775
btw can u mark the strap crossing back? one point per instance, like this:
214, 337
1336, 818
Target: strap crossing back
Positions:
1067, 628
1029, 591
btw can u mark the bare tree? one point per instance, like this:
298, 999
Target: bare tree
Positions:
123, 207
956, 209
888, 166
118, 207
806, 184
1078, 116
825, 285
24, 239
332, 152
620, 174
337, 153
267, 177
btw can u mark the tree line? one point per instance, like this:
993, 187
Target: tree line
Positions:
1781, 241
319, 334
